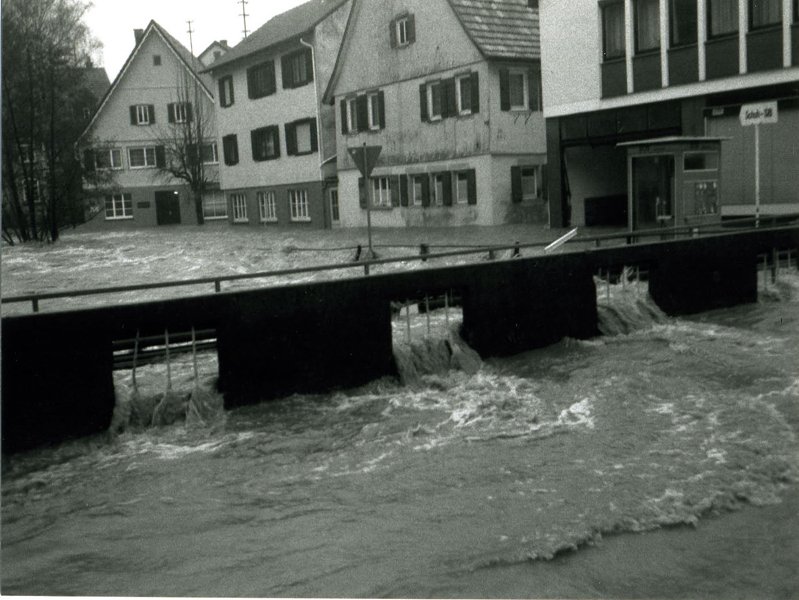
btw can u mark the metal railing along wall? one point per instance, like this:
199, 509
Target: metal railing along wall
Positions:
730, 227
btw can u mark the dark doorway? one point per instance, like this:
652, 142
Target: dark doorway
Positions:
167, 208
653, 191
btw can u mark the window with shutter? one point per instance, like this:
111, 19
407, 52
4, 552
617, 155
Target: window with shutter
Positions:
517, 89
142, 114
373, 102
403, 31
463, 95
265, 143
352, 114
435, 101
462, 187
226, 97
297, 68
261, 80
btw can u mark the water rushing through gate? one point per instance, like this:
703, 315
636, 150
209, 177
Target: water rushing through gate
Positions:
459, 482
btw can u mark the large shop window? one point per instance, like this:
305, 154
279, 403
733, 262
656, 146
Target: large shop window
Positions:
613, 31
647, 25
764, 13
722, 17
682, 14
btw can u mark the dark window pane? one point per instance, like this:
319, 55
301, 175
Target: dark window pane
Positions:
613, 30
763, 13
723, 17
647, 25
683, 22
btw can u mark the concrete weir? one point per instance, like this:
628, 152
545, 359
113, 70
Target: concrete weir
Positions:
57, 380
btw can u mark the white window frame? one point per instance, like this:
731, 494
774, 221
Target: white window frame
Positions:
372, 107
298, 66
119, 212
180, 112
115, 165
149, 151
402, 32
352, 115
430, 114
525, 89
238, 202
298, 204
417, 199
227, 92
214, 215
381, 192
267, 206
142, 114
461, 185
459, 94
522, 177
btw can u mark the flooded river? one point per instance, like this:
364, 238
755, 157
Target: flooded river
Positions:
660, 460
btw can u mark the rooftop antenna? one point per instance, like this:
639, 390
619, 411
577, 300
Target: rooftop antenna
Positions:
191, 39
244, 15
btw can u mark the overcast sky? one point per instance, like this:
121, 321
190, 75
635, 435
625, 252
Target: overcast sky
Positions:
113, 22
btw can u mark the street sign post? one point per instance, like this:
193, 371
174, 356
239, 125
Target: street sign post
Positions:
365, 159
757, 114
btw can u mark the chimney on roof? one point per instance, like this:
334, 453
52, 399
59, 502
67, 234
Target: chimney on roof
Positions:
138, 34
223, 43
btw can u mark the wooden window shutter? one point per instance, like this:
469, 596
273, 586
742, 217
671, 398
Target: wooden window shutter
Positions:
344, 129
425, 190
411, 29
504, 89
285, 67
251, 83
88, 160
362, 110
395, 190
314, 136
274, 131
447, 187
308, 65
403, 190
151, 111
543, 182
392, 31
160, 157
381, 108
361, 192
256, 149
170, 112
475, 88
423, 103
291, 139
450, 101
532, 89
189, 112
471, 181
133, 119
516, 184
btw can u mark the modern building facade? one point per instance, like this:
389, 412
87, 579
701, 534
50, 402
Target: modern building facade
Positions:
450, 90
619, 71
157, 101
276, 138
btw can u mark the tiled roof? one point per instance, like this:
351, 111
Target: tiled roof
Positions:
281, 28
501, 28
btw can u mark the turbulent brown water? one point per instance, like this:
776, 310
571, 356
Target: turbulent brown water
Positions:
659, 460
